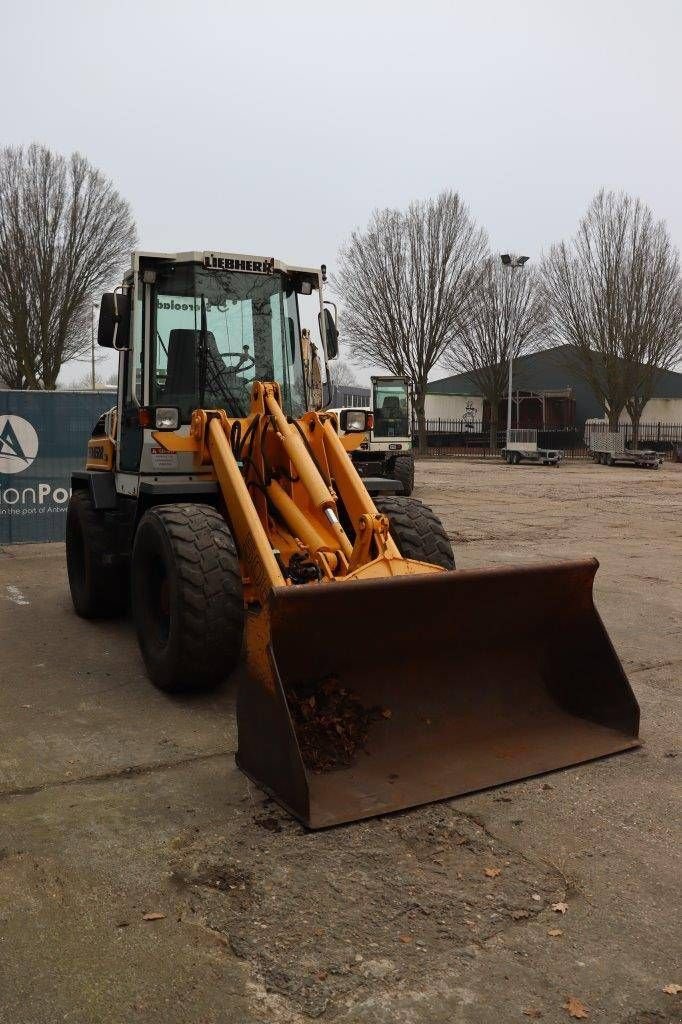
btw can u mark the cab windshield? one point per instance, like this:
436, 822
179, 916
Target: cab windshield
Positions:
215, 332
390, 408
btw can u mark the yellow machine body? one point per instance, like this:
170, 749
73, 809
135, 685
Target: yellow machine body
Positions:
101, 452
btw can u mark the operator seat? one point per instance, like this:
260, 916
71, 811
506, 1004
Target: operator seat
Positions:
391, 407
181, 375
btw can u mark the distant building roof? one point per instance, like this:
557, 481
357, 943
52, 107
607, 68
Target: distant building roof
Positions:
460, 384
549, 370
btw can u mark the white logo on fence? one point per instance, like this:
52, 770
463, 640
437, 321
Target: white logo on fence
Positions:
18, 444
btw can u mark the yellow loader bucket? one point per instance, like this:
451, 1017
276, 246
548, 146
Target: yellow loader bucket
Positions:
395, 692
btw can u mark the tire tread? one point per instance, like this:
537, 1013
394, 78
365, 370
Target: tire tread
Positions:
417, 530
210, 594
107, 593
403, 470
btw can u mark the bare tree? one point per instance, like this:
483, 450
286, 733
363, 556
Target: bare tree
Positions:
504, 317
84, 383
403, 282
342, 374
614, 294
65, 233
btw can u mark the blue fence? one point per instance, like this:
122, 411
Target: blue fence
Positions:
43, 438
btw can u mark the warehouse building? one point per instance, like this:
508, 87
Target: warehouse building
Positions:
547, 393
353, 395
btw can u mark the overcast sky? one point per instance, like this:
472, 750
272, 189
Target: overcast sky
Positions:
278, 132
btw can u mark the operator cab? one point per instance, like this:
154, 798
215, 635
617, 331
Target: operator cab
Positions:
390, 403
195, 330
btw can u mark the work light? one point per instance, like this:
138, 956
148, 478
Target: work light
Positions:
166, 419
356, 419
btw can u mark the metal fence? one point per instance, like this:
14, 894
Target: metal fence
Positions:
43, 438
472, 438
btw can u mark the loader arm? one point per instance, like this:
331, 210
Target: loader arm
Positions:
283, 483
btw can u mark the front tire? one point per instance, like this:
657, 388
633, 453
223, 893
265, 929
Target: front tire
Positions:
403, 471
99, 586
417, 530
187, 597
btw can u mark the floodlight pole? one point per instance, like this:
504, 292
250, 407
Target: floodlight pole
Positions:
513, 263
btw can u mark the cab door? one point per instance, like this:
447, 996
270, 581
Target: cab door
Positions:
132, 385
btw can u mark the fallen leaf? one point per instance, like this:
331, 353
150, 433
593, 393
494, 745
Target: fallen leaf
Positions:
672, 990
405, 938
536, 896
532, 1012
576, 1008
519, 915
560, 908
154, 915
492, 872
555, 932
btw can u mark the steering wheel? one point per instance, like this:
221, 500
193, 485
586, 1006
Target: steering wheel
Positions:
245, 360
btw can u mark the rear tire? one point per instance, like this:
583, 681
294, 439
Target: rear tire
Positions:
403, 470
187, 597
99, 587
417, 530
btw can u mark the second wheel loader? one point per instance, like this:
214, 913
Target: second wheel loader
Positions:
229, 512
385, 452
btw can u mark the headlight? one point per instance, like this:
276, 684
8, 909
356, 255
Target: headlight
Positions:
354, 420
166, 419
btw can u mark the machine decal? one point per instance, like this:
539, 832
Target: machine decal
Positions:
162, 459
233, 262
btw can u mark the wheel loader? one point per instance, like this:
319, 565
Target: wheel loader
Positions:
225, 508
385, 452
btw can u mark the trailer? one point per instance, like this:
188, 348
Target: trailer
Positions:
608, 448
522, 446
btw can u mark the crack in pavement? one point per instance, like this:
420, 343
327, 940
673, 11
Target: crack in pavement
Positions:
115, 773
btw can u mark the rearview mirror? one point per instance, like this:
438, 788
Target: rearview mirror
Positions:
114, 321
330, 333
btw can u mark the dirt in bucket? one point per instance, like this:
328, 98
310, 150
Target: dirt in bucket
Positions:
331, 724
